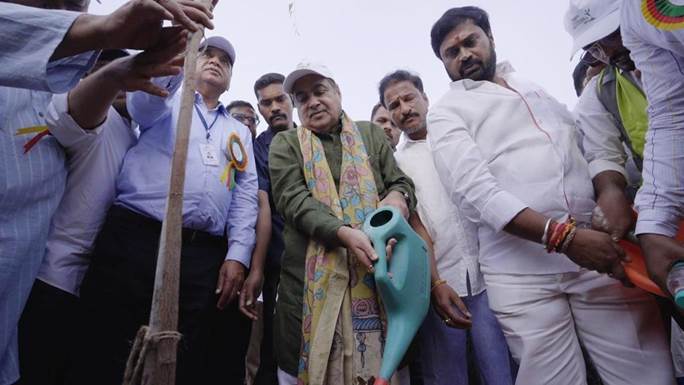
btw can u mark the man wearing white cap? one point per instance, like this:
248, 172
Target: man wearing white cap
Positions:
219, 213
611, 112
507, 154
336, 323
654, 33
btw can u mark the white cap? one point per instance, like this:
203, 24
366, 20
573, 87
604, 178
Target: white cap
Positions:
303, 69
221, 43
590, 20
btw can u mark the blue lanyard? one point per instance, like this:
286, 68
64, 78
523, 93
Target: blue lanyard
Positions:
204, 122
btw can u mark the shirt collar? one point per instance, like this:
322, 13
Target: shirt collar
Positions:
503, 69
219, 107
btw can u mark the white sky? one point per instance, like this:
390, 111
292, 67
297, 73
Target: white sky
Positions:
361, 41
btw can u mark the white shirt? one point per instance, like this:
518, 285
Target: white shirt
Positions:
454, 237
658, 52
94, 158
497, 152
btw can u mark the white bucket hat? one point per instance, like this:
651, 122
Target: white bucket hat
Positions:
590, 20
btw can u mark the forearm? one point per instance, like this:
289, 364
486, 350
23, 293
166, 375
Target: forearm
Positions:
91, 99
527, 224
609, 182
263, 233
85, 34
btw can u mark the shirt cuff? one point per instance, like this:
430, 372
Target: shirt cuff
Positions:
500, 209
239, 253
411, 203
653, 221
328, 233
600, 165
63, 126
64, 74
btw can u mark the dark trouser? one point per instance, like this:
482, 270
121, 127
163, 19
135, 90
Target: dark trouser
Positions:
48, 331
267, 373
117, 295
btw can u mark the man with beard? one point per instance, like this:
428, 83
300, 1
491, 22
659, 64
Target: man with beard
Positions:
219, 215
381, 118
506, 153
611, 112
458, 293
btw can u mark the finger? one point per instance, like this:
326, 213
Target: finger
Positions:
622, 255
363, 259
157, 10
200, 16
618, 272
456, 300
367, 248
246, 308
390, 247
178, 15
148, 87
455, 319
221, 279
235, 291
227, 293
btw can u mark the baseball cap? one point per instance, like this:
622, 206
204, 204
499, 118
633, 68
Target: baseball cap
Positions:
221, 43
590, 20
303, 69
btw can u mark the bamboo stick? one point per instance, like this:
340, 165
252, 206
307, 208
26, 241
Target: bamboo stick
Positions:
160, 361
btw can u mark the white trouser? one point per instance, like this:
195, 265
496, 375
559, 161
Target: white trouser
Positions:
543, 316
678, 349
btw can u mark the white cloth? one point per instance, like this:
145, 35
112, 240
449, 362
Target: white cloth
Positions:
601, 137
454, 237
659, 55
285, 378
94, 159
498, 151
545, 316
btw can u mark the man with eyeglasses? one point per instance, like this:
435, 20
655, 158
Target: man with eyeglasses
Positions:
611, 112
243, 112
219, 215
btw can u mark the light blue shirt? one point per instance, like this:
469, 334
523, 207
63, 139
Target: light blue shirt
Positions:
31, 185
208, 204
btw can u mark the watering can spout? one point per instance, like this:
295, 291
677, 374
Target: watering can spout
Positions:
406, 292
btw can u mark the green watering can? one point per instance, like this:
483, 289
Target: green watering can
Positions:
406, 296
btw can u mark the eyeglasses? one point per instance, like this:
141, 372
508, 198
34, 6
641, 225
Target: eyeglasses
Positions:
246, 119
597, 50
589, 59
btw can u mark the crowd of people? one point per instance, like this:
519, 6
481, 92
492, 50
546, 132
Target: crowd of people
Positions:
521, 204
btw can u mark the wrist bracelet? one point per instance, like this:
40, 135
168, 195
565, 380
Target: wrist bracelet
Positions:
566, 244
545, 235
438, 283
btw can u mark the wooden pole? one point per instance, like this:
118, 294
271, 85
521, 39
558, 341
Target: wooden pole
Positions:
160, 360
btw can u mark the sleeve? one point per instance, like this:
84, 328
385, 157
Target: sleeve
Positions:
243, 211
147, 109
392, 176
465, 174
65, 129
292, 197
601, 137
29, 38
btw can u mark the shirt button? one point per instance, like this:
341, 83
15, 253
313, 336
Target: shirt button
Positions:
41, 114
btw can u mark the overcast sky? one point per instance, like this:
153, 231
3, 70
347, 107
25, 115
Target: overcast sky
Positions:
361, 41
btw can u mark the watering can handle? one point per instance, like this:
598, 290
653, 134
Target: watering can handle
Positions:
381, 267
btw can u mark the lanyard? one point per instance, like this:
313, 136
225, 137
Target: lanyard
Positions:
204, 122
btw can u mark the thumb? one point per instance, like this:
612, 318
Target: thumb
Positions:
221, 279
456, 300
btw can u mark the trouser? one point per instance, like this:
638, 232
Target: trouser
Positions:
48, 334
117, 293
267, 374
544, 316
443, 348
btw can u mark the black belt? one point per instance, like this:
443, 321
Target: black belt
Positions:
136, 219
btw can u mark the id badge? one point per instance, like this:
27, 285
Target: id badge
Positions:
210, 155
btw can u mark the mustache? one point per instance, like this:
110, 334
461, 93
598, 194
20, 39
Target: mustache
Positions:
409, 116
469, 63
275, 116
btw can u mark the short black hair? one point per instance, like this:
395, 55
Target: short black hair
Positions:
266, 80
239, 103
455, 17
396, 77
375, 109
